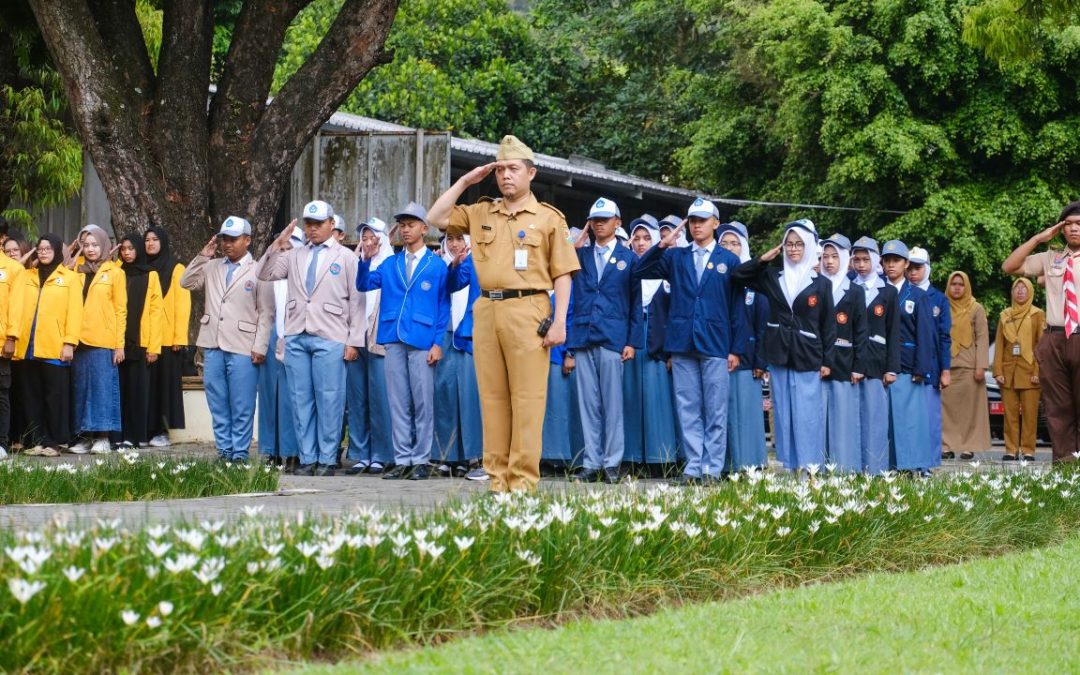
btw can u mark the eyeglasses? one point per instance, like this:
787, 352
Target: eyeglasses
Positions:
794, 245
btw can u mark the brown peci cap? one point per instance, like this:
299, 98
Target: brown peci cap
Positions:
512, 148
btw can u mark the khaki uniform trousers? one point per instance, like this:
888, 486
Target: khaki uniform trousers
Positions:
511, 374
1020, 432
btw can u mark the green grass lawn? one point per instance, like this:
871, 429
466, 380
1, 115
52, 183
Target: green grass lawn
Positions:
1015, 614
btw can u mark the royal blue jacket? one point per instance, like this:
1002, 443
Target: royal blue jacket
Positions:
918, 338
882, 352
459, 277
800, 337
849, 350
702, 318
607, 313
939, 307
415, 313
755, 313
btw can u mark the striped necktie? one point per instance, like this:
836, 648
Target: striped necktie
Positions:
1070, 299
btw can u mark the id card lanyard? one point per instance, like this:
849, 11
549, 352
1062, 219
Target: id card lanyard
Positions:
521, 254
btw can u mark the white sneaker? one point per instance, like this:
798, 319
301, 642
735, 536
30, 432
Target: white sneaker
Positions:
101, 447
49, 451
159, 441
3, 453
80, 448
478, 474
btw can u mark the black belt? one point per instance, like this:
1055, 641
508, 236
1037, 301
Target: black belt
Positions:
1055, 329
500, 294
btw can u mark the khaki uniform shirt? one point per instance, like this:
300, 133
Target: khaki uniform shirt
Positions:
537, 228
1051, 265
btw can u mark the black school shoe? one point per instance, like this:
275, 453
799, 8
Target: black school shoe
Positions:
305, 470
399, 472
686, 480
325, 470
967, 455
611, 476
587, 476
419, 472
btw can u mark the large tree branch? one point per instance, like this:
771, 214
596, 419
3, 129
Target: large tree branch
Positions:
352, 47
118, 27
249, 71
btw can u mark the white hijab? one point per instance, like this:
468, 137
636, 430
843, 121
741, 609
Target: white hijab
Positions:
840, 277
797, 276
459, 300
385, 251
648, 286
925, 283
873, 281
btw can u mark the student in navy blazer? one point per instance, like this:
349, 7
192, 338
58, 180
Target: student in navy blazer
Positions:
413, 313
700, 334
909, 417
607, 324
918, 273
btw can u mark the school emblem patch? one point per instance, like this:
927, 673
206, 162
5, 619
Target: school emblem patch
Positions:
425, 285
249, 286
909, 306
611, 260
721, 268
750, 297
937, 311
841, 318
710, 265
335, 269
59, 281
879, 310
3, 275
104, 277
812, 301
621, 265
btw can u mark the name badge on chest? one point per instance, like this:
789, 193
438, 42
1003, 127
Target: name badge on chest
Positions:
521, 259
1016, 349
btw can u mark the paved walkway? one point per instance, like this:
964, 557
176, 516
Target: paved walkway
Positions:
315, 496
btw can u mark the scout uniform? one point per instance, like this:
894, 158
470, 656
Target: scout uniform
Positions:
843, 424
942, 353
414, 314
881, 356
10, 310
607, 318
800, 336
699, 336
517, 257
746, 416
909, 424
236, 324
324, 313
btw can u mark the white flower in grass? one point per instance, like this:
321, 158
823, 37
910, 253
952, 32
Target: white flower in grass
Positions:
227, 540
181, 563
594, 534
209, 570
193, 538
778, 512
212, 527
152, 571
1076, 454
831, 520
438, 531
607, 521
73, 538
307, 549
529, 558
1065, 494
113, 524
400, 539
215, 589
73, 573
158, 548
562, 513
831, 467
157, 531
252, 511
928, 518
99, 462
463, 543
691, 530
324, 562
813, 526
273, 549
153, 621
271, 565
24, 590
165, 608
638, 540
252, 568
129, 617
783, 531
401, 551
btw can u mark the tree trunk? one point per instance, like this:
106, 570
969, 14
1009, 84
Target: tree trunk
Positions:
167, 158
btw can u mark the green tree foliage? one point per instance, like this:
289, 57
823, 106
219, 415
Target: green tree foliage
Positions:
1012, 32
40, 159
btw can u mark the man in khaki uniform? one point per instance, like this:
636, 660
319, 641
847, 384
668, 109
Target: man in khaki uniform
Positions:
521, 249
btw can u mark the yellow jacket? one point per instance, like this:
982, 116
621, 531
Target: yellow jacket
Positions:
105, 308
177, 311
153, 316
58, 307
10, 296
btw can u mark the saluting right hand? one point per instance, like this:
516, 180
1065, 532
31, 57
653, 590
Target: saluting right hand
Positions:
771, 253
282, 242
478, 174
210, 250
70, 260
1049, 233
583, 237
673, 237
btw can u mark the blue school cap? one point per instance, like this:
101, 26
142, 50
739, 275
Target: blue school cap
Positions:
376, 225
318, 210
672, 221
734, 226
234, 226
866, 244
604, 208
838, 240
339, 223
803, 224
412, 210
702, 208
645, 220
897, 248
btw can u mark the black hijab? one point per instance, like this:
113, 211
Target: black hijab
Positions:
164, 262
58, 256
138, 280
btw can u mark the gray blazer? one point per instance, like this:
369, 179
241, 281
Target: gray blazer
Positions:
236, 319
335, 309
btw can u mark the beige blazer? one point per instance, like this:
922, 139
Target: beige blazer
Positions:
236, 319
335, 309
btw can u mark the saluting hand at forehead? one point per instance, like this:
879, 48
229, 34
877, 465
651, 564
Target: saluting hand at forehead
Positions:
672, 238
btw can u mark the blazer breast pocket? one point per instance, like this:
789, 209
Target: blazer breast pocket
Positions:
246, 326
330, 308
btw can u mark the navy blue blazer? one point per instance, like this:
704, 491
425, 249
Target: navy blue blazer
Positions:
882, 352
415, 313
918, 337
939, 307
607, 313
849, 352
755, 313
459, 277
801, 337
656, 316
702, 317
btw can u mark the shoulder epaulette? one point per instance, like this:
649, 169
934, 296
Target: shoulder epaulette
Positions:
553, 209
